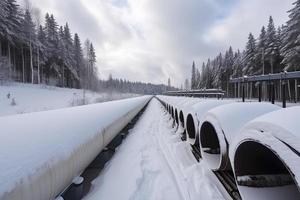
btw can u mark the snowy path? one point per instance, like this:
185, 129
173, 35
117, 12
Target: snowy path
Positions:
153, 163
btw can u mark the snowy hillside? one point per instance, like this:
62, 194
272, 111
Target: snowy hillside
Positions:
16, 98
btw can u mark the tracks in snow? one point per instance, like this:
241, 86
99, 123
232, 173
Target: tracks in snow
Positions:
153, 163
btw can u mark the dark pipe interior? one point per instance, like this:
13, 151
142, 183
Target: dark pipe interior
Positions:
257, 166
172, 111
209, 139
176, 116
190, 126
181, 118
253, 158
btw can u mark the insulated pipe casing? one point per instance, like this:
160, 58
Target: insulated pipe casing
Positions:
219, 126
196, 113
265, 156
54, 147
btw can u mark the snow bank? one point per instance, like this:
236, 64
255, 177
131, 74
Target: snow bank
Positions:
220, 125
269, 145
41, 153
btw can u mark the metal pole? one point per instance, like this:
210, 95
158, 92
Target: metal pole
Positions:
259, 92
283, 94
269, 91
243, 92
273, 93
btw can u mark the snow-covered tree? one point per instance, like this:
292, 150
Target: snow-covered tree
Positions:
249, 56
291, 40
272, 44
29, 34
193, 78
78, 57
261, 51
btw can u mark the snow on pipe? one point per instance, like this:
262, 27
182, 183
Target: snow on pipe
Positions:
220, 125
42, 152
195, 115
173, 103
266, 156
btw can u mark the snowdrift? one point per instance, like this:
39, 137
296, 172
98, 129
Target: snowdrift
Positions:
41, 153
220, 125
266, 158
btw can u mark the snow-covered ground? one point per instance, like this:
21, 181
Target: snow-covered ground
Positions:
153, 163
33, 98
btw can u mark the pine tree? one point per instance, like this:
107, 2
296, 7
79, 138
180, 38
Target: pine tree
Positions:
69, 52
249, 56
13, 20
261, 51
29, 34
272, 50
291, 42
3, 19
198, 77
193, 78
78, 58
237, 65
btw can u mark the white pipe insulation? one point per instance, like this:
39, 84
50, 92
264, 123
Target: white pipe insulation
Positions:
195, 115
219, 126
266, 158
41, 153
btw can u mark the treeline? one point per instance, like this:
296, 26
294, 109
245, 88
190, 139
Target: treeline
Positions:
32, 52
274, 50
125, 86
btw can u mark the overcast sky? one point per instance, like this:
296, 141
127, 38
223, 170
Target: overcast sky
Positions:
151, 40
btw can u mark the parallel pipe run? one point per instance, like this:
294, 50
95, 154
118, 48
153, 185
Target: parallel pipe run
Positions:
195, 115
59, 145
266, 156
220, 125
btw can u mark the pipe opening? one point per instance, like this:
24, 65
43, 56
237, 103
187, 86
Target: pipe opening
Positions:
210, 145
176, 116
181, 118
190, 126
260, 171
172, 112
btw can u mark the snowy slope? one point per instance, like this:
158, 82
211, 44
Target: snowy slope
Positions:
32, 98
153, 163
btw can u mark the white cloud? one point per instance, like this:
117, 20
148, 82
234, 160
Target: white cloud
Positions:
151, 40
248, 16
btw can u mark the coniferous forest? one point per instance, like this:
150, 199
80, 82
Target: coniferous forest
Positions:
32, 52
47, 53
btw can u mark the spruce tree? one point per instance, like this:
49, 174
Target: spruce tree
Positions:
249, 56
261, 51
272, 50
193, 78
291, 39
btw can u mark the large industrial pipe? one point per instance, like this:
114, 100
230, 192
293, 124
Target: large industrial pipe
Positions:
41, 153
266, 158
195, 115
184, 109
220, 125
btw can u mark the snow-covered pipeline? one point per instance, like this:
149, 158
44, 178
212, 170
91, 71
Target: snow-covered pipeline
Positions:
266, 156
181, 107
41, 153
195, 115
220, 125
